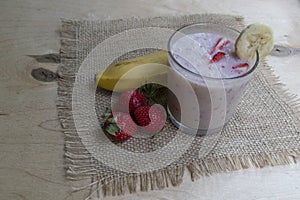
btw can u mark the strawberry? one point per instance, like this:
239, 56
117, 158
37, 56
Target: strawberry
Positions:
119, 126
131, 99
221, 43
217, 57
150, 118
242, 67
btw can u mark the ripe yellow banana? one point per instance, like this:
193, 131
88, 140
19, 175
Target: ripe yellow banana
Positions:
255, 37
120, 74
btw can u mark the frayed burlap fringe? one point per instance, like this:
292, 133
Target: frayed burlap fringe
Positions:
233, 163
80, 164
290, 101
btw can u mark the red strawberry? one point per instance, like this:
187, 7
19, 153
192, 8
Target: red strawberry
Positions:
217, 57
242, 67
221, 43
121, 136
119, 125
131, 99
151, 118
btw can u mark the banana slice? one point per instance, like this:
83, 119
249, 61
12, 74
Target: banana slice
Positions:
254, 37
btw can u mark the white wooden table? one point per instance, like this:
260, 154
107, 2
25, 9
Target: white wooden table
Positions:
31, 143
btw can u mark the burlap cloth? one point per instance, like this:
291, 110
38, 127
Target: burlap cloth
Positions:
263, 132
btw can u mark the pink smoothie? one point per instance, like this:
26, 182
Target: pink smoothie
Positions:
205, 67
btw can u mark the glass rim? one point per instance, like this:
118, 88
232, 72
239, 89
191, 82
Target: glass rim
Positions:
207, 77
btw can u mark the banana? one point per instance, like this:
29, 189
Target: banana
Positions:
115, 75
254, 37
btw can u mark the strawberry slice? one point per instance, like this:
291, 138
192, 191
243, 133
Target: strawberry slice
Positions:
217, 57
216, 45
221, 43
243, 67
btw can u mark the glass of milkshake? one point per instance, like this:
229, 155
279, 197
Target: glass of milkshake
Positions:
207, 79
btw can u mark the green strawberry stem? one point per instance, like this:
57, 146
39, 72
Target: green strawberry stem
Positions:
150, 90
112, 120
106, 114
112, 129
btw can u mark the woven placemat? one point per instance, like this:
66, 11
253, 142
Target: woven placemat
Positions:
263, 132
